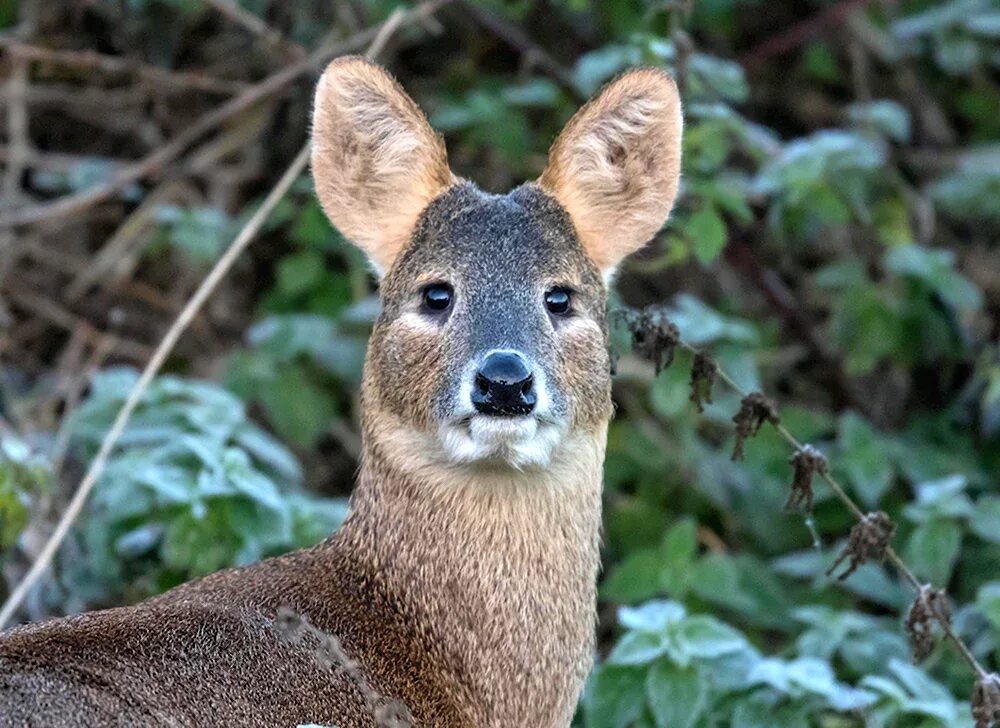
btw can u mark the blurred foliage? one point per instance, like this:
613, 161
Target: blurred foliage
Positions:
23, 475
192, 487
834, 244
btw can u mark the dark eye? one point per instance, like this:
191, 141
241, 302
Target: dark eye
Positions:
557, 301
437, 297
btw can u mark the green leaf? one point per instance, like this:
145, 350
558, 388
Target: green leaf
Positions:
986, 518
932, 550
654, 616
615, 696
634, 579
299, 272
298, 406
705, 637
707, 231
988, 600
888, 117
677, 558
936, 269
638, 648
863, 459
677, 696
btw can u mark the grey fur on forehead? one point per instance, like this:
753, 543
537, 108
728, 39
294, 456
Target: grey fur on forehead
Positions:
488, 238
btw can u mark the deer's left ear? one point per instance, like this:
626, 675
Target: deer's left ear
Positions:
616, 166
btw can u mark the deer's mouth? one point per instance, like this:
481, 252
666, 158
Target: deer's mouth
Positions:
525, 441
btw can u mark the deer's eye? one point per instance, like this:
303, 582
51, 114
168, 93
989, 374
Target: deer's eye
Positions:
557, 301
438, 297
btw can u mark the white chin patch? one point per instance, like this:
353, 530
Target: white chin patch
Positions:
522, 442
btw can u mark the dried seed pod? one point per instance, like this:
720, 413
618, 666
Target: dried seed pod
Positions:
986, 701
929, 606
755, 410
806, 461
704, 371
654, 336
867, 541
657, 338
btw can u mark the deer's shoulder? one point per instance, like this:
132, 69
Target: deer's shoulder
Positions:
216, 648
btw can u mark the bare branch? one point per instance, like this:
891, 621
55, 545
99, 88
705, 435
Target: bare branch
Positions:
272, 85
93, 61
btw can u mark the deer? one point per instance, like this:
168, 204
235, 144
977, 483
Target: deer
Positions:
462, 585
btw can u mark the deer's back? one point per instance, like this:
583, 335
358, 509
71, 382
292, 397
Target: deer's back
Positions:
209, 653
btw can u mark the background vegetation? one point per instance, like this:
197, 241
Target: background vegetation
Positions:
835, 245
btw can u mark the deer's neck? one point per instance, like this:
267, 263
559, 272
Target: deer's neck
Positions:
500, 565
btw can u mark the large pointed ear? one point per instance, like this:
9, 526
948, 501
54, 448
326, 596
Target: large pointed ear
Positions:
376, 161
616, 166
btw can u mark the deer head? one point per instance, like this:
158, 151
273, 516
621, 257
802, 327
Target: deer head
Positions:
491, 346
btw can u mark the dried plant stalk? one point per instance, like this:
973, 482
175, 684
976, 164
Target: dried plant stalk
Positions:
755, 410
986, 701
704, 372
654, 335
929, 606
806, 461
868, 541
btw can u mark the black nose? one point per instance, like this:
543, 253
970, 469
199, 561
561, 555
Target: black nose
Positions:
504, 386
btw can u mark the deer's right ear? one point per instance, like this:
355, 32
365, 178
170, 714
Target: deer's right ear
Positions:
376, 161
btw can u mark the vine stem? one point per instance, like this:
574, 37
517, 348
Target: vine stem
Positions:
841, 493
166, 345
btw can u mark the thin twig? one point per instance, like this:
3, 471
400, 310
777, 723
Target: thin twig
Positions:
59, 162
17, 132
258, 27
802, 32
52, 312
219, 270
93, 61
514, 36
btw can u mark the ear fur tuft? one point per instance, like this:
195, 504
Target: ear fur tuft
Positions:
615, 168
376, 162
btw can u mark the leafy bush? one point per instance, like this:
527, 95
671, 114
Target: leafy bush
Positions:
23, 474
679, 670
193, 487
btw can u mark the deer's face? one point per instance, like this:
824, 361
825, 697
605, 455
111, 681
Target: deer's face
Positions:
492, 333
491, 345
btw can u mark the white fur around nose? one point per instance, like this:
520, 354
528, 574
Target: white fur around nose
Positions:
522, 442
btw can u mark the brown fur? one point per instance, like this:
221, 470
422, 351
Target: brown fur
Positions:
441, 593
464, 589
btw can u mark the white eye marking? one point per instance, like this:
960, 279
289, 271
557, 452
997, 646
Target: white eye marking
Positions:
578, 325
418, 323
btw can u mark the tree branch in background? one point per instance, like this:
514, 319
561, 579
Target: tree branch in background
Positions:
801, 33
114, 65
518, 39
271, 37
272, 85
782, 301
